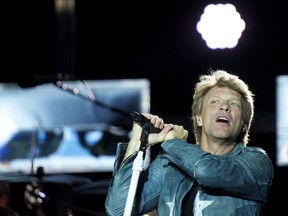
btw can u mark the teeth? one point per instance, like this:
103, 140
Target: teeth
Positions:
222, 119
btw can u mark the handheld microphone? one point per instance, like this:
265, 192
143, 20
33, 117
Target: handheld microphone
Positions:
142, 120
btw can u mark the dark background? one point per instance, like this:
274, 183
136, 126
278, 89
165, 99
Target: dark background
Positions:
155, 40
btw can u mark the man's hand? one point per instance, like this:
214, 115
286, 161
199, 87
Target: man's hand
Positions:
178, 131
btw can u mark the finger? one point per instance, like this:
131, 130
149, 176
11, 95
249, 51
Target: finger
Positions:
159, 122
155, 120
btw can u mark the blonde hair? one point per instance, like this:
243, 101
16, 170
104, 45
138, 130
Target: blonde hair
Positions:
224, 79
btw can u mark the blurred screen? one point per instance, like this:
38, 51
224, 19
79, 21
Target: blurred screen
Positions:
73, 127
282, 120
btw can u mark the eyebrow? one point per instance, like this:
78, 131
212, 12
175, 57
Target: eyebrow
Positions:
233, 98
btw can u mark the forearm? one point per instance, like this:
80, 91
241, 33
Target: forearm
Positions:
245, 173
133, 146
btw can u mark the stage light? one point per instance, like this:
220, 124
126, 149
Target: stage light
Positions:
221, 26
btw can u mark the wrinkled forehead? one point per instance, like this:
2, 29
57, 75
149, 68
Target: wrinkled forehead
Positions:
223, 92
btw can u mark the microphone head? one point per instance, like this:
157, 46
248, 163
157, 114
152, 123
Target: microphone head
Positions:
40, 172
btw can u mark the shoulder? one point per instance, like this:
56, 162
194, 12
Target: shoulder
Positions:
255, 149
256, 156
240, 147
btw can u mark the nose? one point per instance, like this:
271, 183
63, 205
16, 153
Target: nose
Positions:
225, 107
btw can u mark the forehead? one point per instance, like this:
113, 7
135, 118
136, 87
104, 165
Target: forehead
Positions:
223, 92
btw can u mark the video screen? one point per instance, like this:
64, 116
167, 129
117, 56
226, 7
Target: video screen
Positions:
69, 126
282, 120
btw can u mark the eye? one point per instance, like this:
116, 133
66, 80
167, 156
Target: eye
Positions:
235, 104
214, 101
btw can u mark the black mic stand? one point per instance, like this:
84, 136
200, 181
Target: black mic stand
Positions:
90, 97
138, 163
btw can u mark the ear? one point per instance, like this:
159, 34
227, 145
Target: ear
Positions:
244, 128
199, 120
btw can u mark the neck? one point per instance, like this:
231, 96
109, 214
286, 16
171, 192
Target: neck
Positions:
218, 147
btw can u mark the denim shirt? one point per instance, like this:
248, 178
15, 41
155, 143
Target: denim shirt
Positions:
237, 183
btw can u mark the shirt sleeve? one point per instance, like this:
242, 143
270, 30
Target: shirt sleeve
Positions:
246, 172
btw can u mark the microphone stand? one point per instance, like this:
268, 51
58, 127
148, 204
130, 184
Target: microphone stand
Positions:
33, 146
91, 97
138, 163
137, 168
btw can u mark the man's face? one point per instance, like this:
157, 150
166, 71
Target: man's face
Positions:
221, 116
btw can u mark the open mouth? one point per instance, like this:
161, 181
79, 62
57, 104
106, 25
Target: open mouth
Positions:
223, 119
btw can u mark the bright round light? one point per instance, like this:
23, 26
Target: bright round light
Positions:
221, 26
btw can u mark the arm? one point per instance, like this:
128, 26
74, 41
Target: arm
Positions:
245, 172
153, 138
118, 190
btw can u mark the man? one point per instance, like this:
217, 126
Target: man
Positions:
219, 175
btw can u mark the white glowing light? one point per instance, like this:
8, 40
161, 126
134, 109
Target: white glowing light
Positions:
221, 26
